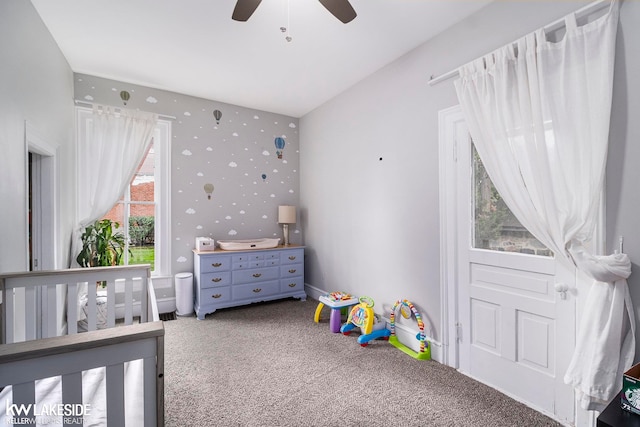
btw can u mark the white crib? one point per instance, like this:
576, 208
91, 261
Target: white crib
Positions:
52, 374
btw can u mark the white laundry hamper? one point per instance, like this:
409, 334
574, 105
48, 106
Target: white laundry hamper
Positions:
184, 294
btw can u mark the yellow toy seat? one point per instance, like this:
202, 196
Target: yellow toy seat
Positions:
361, 315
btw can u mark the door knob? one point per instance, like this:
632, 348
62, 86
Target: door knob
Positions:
562, 288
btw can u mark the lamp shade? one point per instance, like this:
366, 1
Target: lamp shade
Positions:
287, 214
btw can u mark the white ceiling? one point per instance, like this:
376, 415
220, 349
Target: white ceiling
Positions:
195, 48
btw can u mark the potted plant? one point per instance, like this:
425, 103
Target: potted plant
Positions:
101, 245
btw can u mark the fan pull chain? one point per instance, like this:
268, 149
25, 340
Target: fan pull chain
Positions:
288, 37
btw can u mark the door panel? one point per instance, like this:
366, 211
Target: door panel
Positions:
485, 321
533, 330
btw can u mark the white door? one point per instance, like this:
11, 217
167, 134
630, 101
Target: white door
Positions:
515, 330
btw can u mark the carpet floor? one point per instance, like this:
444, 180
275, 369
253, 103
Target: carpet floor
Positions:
270, 365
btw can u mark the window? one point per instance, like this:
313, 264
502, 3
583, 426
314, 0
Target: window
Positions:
495, 226
143, 211
135, 213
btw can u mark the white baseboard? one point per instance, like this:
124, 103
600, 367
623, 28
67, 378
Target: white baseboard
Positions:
314, 292
165, 294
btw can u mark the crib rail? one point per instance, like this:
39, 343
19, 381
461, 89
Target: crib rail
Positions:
21, 364
42, 304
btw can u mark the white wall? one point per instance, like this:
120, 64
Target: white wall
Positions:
371, 226
623, 173
36, 85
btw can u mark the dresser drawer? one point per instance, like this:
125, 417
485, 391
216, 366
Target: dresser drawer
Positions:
292, 285
248, 264
218, 278
291, 270
255, 291
268, 262
272, 256
243, 258
254, 275
292, 257
214, 263
215, 295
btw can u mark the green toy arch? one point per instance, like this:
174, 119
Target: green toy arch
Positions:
425, 348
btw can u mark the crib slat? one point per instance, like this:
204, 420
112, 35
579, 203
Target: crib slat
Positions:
72, 393
43, 311
111, 304
30, 310
72, 308
49, 311
149, 379
3, 314
25, 394
114, 376
9, 327
91, 306
128, 302
144, 299
160, 380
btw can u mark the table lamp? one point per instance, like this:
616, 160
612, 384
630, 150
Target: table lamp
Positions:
286, 216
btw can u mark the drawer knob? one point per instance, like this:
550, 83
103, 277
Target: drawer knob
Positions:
216, 264
293, 270
292, 285
256, 290
216, 295
216, 279
257, 275
292, 257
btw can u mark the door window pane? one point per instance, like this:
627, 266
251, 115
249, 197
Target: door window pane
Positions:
495, 226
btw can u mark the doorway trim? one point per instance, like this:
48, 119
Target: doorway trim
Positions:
44, 247
451, 126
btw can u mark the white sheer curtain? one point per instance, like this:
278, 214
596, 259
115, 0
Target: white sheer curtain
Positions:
110, 150
539, 113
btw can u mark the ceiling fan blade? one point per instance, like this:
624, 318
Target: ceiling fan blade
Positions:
244, 9
341, 9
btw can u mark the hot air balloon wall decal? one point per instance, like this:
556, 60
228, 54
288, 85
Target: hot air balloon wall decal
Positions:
217, 114
279, 142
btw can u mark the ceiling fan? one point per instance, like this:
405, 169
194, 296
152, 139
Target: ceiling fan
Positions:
341, 9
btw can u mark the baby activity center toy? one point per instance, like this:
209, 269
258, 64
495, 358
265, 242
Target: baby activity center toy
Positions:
406, 309
362, 316
337, 301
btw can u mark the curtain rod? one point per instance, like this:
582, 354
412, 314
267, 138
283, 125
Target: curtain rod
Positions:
90, 104
555, 25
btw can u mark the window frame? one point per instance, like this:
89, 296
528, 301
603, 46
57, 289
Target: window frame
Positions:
162, 189
162, 196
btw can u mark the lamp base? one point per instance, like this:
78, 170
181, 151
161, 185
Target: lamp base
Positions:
285, 232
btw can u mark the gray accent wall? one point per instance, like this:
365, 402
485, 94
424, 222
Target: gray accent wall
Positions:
237, 155
369, 162
36, 86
